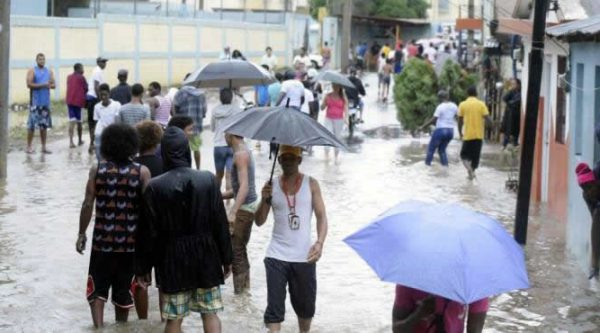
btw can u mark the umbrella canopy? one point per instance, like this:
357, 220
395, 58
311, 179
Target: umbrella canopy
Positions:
229, 74
281, 125
443, 249
336, 78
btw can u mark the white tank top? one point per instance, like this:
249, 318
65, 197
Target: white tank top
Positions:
291, 242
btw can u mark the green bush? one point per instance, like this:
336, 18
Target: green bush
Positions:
415, 94
456, 80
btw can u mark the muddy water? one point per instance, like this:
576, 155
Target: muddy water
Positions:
42, 278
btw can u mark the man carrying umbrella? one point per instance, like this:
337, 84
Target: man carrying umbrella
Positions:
417, 311
291, 256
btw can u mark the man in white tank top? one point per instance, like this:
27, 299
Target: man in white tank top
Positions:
292, 254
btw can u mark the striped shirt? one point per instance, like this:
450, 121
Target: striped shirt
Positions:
132, 114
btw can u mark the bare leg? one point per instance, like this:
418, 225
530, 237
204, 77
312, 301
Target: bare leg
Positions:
274, 327
161, 304
71, 132
140, 298
211, 323
173, 326
197, 159
43, 136
97, 309
304, 324
121, 314
29, 141
80, 133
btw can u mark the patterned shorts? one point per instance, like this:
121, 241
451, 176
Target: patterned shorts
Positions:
206, 301
196, 142
39, 118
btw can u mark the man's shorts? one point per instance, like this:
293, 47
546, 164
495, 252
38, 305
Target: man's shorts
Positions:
196, 142
205, 301
74, 113
39, 118
471, 151
300, 278
111, 270
223, 157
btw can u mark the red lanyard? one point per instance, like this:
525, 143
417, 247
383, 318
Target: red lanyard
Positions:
291, 205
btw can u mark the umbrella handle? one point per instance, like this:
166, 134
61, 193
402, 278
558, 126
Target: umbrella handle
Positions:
273, 170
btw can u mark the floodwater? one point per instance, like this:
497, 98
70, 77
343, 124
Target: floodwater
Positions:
42, 278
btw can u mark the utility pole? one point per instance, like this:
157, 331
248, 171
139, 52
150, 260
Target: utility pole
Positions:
4, 69
346, 34
536, 61
470, 33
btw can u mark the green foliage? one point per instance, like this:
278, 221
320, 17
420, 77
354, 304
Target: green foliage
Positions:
415, 94
456, 80
383, 8
400, 8
314, 7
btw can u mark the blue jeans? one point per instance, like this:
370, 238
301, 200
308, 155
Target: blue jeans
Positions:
440, 139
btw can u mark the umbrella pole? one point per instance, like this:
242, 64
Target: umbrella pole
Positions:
274, 162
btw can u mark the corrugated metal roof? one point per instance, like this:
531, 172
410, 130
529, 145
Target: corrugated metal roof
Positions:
586, 27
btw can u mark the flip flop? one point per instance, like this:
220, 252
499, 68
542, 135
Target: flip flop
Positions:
30, 151
46, 151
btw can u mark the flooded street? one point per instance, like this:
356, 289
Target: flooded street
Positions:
43, 279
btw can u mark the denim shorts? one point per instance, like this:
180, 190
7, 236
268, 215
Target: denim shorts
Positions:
223, 157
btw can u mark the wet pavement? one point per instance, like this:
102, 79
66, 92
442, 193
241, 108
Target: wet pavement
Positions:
42, 278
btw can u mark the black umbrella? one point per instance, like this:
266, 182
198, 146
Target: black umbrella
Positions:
229, 74
336, 78
281, 125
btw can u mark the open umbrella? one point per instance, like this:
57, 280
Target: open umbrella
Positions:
443, 249
229, 74
336, 78
281, 125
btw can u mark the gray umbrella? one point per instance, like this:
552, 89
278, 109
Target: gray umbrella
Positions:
336, 78
229, 74
281, 125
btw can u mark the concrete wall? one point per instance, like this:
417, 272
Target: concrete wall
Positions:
151, 48
584, 102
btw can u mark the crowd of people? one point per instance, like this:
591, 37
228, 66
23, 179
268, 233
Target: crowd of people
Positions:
153, 211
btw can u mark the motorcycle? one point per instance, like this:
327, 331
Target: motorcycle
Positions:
354, 118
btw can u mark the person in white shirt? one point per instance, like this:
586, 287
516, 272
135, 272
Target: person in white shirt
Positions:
308, 98
302, 61
105, 114
292, 254
94, 83
445, 121
292, 92
269, 59
431, 53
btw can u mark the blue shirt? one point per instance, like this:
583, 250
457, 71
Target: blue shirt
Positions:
274, 90
262, 92
40, 96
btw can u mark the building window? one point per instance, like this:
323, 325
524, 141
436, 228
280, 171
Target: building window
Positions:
597, 112
578, 135
561, 112
444, 5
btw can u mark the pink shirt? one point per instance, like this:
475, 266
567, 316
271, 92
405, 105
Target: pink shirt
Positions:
335, 108
454, 314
